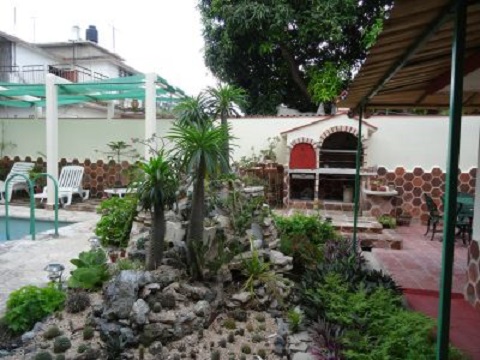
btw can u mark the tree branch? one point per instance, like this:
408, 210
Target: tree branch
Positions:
293, 66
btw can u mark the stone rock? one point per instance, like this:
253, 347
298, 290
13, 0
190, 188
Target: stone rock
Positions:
139, 255
172, 291
257, 244
197, 292
175, 233
243, 297
121, 293
274, 244
28, 336
148, 289
140, 310
202, 308
279, 346
166, 275
156, 349
302, 336
127, 335
156, 332
303, 356
223, 221
298, 347
267, 222
279, 259
107, 329
257, 231
165, 317
282, 327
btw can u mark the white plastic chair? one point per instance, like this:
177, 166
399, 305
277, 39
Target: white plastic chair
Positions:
69, 183
18, 182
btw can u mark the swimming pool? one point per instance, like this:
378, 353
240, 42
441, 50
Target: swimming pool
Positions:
20, 227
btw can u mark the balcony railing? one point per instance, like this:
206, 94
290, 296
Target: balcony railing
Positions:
35, 74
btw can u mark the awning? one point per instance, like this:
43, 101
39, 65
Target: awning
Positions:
131, 87
409, 66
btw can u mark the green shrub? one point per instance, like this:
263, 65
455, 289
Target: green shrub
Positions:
77, 301
30, 304
229, 324
127, 264
295, 319
61, 344
215, 355
231, 337
262, 353
91, 271
115, 225
246, 349
387, 221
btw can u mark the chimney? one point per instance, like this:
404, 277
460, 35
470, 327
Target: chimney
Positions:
91, 34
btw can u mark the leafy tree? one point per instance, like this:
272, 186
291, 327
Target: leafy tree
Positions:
199, 146
295, 52
222, 102
156, 191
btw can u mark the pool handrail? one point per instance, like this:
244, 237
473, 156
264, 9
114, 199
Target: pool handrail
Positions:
32, 203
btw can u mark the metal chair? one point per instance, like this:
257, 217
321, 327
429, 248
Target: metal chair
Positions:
434, 216
464, 221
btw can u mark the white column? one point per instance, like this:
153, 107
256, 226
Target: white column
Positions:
476, 211
110, 110
52, 133
150, 109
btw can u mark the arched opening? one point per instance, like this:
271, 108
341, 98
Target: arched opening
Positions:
303, 156
337, 162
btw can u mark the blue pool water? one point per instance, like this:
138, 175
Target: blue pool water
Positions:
21, 227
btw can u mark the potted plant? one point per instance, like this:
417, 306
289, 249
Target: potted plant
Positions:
115, 225
40, 181
387, 221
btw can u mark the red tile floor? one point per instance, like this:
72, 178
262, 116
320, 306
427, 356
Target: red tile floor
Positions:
416, 268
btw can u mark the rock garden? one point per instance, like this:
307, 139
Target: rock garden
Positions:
195, 265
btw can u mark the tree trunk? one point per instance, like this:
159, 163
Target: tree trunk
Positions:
226, 153
294, 71
195, 226
155, 251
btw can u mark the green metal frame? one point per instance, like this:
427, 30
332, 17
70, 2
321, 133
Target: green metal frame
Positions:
450, 208
356, 206
30, 183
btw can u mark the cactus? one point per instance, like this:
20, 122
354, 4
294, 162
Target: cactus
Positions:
260, 318
229, 324
61, 344
246, 349
249, 327
240, 332
231, 337
215, 355
262, 353
141, 352
157, 307
222, 343
88, 333
43, 355
77, 301
82, 348
52, 332
256, 338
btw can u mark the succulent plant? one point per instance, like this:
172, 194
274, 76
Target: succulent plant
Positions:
256, 338
61, 344
262, 353
240, 332
249, 327
229, 323
82, 348
246, 349
167, 301
260, 317
231, 337
88, 332
215, 355
43, 355
52, 332
243, 357
262, 327
141, 352
157, 307
77, 301
60, 357
240, 315
222, 343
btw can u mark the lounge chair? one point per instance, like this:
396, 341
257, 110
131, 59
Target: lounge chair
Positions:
18, 182
69, 183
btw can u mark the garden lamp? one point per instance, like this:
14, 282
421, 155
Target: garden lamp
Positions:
94, 243
55, 272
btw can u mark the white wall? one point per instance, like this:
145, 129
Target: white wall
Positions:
411, 141
26, 56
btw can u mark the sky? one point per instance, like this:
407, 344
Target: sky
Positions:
162, 36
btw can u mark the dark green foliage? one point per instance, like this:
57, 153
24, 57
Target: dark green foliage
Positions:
246, 349
295, 319
280, 51
115, 225
114, 346
239, 315
256, 338
215, 355
240, 332
61, 344
52, 332
77, 301
303, 237
88, 332
231, 337
43, 355
262, 353
30, 304
91, 271
222, 343
388, 222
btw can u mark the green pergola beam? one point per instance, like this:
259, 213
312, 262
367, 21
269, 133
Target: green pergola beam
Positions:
450, 208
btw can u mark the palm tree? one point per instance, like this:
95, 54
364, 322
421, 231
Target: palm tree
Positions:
155, 191
223, 102
192, 109
199, 146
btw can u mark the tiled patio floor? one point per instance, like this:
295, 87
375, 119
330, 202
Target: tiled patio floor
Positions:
417, 268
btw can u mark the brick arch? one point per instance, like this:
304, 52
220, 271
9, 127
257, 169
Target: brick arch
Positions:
338, 128
302, 140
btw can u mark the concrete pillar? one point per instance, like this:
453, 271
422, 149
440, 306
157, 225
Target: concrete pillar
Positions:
51, 98
150, 110
110, 110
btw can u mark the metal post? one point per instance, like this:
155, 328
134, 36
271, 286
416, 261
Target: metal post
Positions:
356, 206
150, 111
450, 211
51, 92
